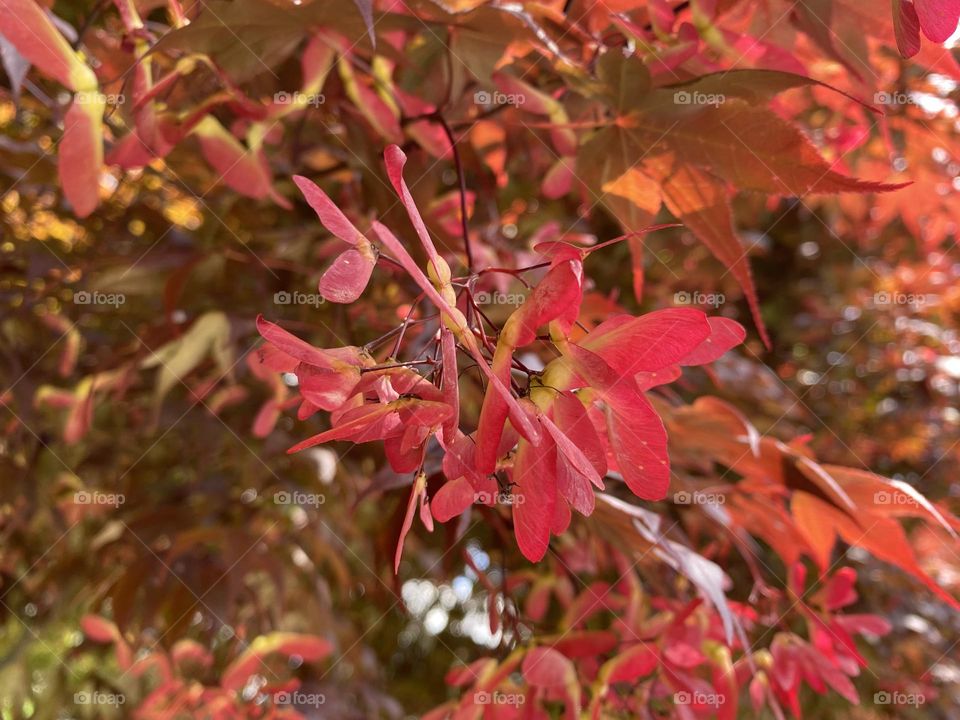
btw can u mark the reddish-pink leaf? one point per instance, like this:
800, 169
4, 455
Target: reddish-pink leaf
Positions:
545, 667
575, 473
637, 436
240, 168
561, 517
574, 488
459, 461
452, 499
639, 442
325, 388
557, 297
559, 179
401, 458
295, 347
27, 26
189, 652
584, 643
308, 647
130, 152
395, 160
572, 418
840, 590
469, 674
422, 412
724, 335
864, 624
535, 491
758, 692
81, 152
362, 424
807, 511
632, 664
630, 345
938, 18
330, 215
99, 629
667, 375
266, 419
493, 411
906, 27
416, 494
378, 113
346, 279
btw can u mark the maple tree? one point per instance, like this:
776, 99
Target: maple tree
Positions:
322, 319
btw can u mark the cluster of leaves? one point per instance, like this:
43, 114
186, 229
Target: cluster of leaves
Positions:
532, 152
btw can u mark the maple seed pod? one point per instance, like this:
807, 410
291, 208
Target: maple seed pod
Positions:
438, 271
763, 659
456, 321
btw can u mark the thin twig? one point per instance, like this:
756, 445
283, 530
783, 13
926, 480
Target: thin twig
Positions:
406, 323
463, 190
391, 366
